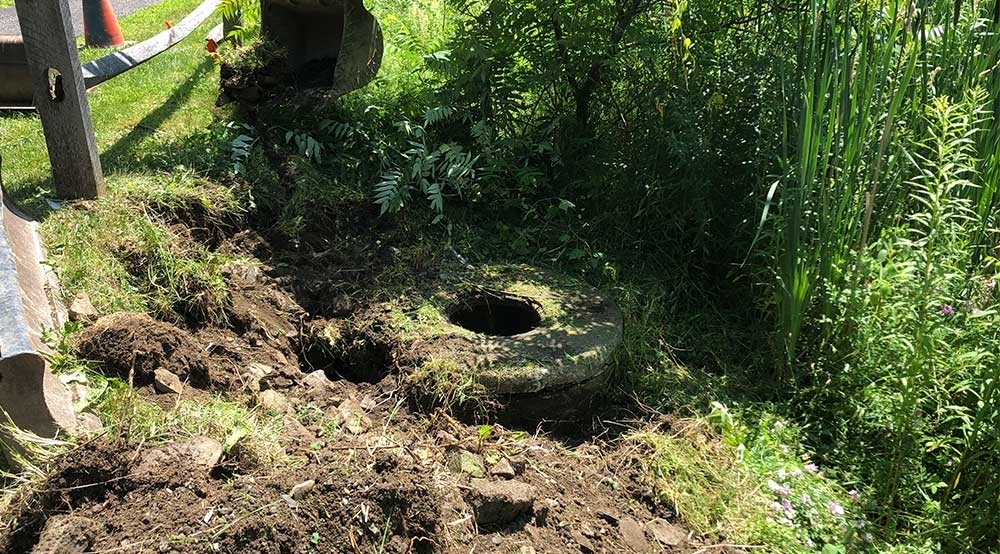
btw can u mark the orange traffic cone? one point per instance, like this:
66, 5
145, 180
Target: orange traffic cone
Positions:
100, 26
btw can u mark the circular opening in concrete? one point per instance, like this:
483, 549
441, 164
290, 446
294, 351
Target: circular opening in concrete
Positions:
495, 314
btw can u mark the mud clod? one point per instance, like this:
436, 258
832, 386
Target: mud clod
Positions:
133, 346
499, 504
64, 534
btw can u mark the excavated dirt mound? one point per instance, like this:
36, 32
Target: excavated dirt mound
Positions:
133, 346
426, 485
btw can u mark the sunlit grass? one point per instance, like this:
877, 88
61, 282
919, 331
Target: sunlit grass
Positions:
166, 98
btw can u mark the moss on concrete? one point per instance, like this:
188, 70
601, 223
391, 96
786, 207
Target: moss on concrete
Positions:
578, 332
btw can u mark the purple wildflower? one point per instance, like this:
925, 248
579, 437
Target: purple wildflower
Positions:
786, 506
835, 509
947, 309
778, 489
854, 494
812, 468
810, 543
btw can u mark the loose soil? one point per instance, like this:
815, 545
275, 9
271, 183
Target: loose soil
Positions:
390, 474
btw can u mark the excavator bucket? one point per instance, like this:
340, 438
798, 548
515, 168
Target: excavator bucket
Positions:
333, 44
30, 395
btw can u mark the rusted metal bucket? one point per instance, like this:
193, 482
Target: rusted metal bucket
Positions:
30, 394
335, 44
15, 79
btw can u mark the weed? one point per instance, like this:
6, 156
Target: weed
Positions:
251, 439
448, 384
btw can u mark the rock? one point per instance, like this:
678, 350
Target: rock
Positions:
519, 463
634, 534
351, 416
316, 379
65, 534
297, 432
259, 371
584, 542
165, 382
302, 489
82, 310
535, 534
196, 453
503, 470
498, 503
247, 273
667, 533
463, 461
446, 439
342, 306
608, 515
273, 401
88, 423
368, 403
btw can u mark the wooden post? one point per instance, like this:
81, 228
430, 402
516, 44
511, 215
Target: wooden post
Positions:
60, 97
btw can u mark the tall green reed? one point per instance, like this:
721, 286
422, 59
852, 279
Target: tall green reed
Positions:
853, 93
884, 212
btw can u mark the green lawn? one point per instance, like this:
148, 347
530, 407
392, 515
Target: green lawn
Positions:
134, 115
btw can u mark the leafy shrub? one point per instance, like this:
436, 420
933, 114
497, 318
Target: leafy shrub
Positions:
912, 398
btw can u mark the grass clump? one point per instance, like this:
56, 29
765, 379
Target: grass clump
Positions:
125, 255
448, 384
752, 486
249, 439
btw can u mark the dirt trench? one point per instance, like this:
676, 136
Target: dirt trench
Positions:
370, 470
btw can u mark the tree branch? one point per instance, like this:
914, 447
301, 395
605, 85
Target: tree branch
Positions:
563, 54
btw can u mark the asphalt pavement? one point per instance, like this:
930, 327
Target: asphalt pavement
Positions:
8, 16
